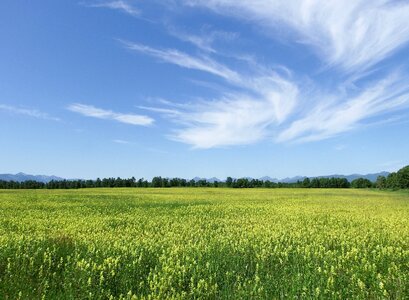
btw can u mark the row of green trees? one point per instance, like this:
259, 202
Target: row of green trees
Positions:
396, 180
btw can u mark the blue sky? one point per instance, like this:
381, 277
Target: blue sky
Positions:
203, 88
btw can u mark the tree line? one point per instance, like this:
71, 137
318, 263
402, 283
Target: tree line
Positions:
396, 180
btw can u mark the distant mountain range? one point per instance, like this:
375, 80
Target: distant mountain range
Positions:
43, 178
371, 177
25, 177
211, 180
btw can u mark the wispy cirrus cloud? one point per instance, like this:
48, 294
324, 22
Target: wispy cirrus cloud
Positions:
27, 112
235, 118
265, 107
123, 142
205, 40
329, 119
351, 38
202, 42
161, 110
351, 34
120, 5
238, 119
185, 60
94, 112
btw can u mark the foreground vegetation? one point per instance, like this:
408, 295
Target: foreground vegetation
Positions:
204, 244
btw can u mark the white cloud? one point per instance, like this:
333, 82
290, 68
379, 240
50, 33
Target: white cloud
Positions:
184, 60
205, 40
202, 42
266, 104
237, 119
27, 112
120, 5
123, 142
94, 112
225, 122
165, 111
275, 108
329, 119
352, 34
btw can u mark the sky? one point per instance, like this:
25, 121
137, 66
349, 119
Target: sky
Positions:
185, 88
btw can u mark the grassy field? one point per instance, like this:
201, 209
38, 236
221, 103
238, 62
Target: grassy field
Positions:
204, 244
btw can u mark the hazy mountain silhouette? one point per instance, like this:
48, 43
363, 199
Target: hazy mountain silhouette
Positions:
25, 177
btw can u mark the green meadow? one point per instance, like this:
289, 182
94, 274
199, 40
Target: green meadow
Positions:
204, 243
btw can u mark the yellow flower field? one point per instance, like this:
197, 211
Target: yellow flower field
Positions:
204, 243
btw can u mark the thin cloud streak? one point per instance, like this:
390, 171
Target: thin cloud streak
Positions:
28, 112
123, 142
120, 5
165, 111
204, 43
94, 112
205, 40
184, 60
